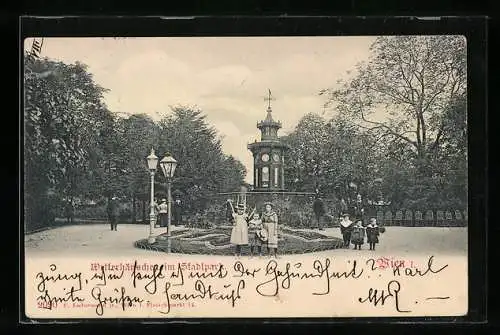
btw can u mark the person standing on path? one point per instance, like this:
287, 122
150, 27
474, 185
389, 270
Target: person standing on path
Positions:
319, 210
163, 213
270, 223
358, 235
346, 229
254, 228
177, 211
239, 233
156, 209
372, 233
113, 212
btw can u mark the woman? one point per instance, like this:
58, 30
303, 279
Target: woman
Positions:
346, 229
163, 213
270, 224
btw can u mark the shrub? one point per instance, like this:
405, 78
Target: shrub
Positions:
91, 212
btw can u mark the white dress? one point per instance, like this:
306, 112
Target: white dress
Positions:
239, 234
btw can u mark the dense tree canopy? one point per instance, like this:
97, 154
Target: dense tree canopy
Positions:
203, 169
409, 101
76, 149
63, 112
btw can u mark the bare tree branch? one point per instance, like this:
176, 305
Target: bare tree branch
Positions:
386, 127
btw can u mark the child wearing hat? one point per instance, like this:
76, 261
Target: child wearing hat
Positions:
254, 228
239, 233
372, 233
270, 223
358, 235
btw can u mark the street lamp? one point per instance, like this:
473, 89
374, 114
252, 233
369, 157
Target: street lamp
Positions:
152, 164
168, 165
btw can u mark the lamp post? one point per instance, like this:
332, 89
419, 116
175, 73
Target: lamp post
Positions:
152, 164
168, 165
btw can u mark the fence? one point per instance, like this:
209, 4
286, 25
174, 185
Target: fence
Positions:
429, 218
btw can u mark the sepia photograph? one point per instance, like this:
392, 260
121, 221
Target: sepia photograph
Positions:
190, 177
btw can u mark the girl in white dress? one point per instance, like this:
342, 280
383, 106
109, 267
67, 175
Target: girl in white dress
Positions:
239, 233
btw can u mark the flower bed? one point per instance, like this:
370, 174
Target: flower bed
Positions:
220, 241
310, 235
290, 242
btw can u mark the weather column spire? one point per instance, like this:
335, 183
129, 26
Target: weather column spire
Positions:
269, 98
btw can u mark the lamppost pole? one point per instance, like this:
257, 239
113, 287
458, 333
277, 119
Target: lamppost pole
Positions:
152, 164
168, 164
152, 215
169, 221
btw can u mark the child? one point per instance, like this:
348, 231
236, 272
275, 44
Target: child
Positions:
358, 235
346, 229
239, 233
372, 233
270, 223
254, 226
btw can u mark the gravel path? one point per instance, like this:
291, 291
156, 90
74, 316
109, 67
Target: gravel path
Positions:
98, 239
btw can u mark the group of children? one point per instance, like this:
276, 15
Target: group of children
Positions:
355, 233
254, 230
259, 231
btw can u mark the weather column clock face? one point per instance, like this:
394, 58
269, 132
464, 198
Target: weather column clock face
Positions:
276, 157
265, 157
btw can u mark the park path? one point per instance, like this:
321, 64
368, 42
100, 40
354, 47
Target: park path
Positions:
99, 240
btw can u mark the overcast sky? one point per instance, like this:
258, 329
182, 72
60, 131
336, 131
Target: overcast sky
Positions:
227, 78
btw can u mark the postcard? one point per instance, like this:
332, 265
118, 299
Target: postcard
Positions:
245, 177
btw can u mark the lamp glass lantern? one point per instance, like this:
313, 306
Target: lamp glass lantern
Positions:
152, 161
168, 165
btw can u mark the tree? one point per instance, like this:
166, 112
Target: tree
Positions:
413, 79
63, 112
234, 174
307, 148
401, 98
329, 156
203, 169
140, 134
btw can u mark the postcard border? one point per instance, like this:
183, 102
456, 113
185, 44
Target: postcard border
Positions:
473, 28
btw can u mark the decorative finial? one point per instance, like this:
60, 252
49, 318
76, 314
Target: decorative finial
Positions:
268, 99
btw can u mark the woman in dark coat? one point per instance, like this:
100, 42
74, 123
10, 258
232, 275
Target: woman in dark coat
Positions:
113, 212
319, 210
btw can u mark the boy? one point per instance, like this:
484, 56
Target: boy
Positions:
372, 233
254, 227
358, 235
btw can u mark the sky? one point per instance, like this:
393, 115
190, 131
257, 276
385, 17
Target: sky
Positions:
226, 77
